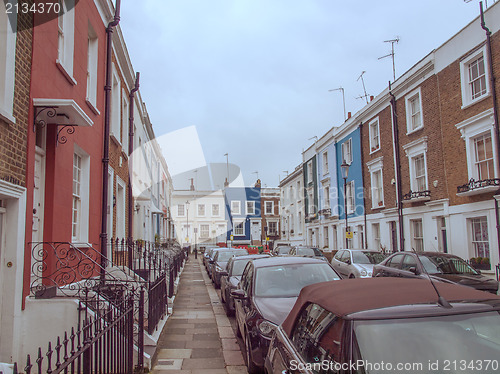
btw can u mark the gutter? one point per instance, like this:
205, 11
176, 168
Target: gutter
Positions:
364, 245
397, 168
105, 157
130, 170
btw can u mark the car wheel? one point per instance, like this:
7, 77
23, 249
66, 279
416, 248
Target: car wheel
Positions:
351, 276
230, 312
251, 367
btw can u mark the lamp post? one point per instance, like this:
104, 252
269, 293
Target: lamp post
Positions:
345, 172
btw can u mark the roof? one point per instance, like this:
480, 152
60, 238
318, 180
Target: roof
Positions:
344, 297
288, 260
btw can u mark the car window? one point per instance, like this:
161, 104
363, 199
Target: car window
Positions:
395, 261
449, 265
367, 257
338, 255
408, 262
246, 279
345, 256
317, 337
238, 267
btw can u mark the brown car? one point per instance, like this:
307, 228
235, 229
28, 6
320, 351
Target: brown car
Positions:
267, 291
379, 325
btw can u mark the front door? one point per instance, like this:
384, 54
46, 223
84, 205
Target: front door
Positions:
255, 232
38, 196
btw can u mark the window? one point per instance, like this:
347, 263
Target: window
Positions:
92, 63
347, 151
350, 192
480, 241
375, 168
181, 210
77, 199
239, 228
417, 235
376, 236
215, 210
483, 157
326, 239
325, 163
269, 207
66, 37
310, 172
326, 192
80, 199
235, 207
204, 231
416, 153
124, 129
273, 228
115, 106
374, 135
250, 207
474, 76
311, 207
414, 120
7, 64
201, 210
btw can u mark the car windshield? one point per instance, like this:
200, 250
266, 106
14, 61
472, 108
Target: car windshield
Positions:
224, 256
309, 252
367, 257
288, 280
448, 265
283, 250
430, 344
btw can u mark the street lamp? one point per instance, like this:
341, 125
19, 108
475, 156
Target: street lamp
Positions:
345, 172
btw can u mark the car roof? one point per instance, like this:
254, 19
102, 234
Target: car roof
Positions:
250, 257
288, 260
348, 296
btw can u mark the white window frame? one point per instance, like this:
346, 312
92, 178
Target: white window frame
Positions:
201, 210
311, 207
413, 150
325, 163
351, 197
81, 233
179, 206
376, 166
124, 122
217, 213
266, 204
417, 239
121, 209
467, 99
409, 113
236, 224
269, 231
204, 231
326, 195
92, 63
310, 174
8, 63
235, 207
252, 210
115, 106
473, 247
374, 132
470, 129
346, 150
376, 236
66, 39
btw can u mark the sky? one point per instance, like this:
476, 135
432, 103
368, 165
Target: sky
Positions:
252, 78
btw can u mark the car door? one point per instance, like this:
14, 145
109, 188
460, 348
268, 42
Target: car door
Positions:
336, 263
392, 267
245, 285
344, 264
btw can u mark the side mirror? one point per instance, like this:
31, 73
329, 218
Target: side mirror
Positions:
348, 262
239, 294
413, 269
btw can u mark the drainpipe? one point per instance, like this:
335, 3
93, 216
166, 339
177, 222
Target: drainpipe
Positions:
495, 111
105, 158
397, 159
130, 150
364, 244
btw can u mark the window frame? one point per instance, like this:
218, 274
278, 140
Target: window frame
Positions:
376, 166
465, 63
346, 150
252, 210
351, 197
237, 224
325, 163
66, 39
202, 231
409, 113
374, 123
413, 150
92, 63
183, 210
7, 71
217, 214
266, 204
201, 208
82, 230
417, 239
472, 241
234, 204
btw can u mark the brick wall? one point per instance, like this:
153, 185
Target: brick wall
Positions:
13, 139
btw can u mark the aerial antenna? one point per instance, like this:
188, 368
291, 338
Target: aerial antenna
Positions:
256, 172
392, 41
441, 300
285, 171
343, 96
364, 88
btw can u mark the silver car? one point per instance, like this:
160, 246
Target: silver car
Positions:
356, 263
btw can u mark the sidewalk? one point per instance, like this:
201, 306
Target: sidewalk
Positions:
198, 337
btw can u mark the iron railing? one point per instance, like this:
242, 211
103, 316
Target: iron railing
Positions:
417, 195
474, 184
158, 302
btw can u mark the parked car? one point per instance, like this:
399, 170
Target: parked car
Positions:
356, 263
219, 262
206, 256
267, 291
231, 277
210, 260
281, 250
440, 266
347, 325
307, 252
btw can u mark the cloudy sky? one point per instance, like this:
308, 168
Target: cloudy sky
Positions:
253, 76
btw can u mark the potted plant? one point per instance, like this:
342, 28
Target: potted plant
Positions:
480, 263
380, 203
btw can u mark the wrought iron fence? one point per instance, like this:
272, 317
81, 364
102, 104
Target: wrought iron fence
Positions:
158, 302
103, 343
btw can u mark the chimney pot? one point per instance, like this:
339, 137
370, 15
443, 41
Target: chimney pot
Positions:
348, 115
371, 98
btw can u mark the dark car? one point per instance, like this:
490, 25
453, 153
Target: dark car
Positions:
358, 325
440, 266
219, 262
210, 260
307, 252
267, 291
230, 279
206, 256
281, 250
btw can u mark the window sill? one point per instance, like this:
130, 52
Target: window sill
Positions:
475, 101
375, 207
92, 107
374, 150
113, 136
416, 199
415, 130
65, 72
7, 117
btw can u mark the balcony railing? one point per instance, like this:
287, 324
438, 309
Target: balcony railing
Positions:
417, 195
325, 212
474, 185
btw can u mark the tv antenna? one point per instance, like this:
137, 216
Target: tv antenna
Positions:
343, 96
256, 172
365, 96
392, 41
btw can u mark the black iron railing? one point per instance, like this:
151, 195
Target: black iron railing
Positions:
158, 302
103, 343
474, 184
417, 195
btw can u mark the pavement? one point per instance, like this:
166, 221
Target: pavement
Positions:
198, 337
